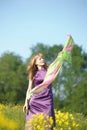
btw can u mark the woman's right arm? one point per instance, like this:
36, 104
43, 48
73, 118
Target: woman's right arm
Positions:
29, 89
26, 100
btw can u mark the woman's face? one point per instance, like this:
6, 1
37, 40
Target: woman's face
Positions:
40, 61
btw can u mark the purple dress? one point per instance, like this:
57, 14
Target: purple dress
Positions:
42, 102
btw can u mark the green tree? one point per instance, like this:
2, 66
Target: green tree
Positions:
12, 78
75, 82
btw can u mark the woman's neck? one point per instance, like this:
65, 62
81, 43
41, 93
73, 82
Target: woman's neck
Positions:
40, 67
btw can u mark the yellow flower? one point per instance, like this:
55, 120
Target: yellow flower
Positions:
54, 128
40, 122
7, 123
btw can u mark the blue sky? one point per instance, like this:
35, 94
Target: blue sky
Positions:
24, 23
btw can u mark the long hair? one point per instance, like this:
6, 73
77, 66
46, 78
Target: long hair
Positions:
32, 67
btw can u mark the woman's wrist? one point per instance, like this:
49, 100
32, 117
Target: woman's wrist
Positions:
29, 95
25, 101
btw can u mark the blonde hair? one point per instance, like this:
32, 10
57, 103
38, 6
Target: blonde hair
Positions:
32, 67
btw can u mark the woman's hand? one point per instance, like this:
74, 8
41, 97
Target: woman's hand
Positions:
25, 107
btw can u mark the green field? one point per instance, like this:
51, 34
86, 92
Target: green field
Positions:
12, 118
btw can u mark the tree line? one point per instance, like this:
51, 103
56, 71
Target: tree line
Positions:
69, 88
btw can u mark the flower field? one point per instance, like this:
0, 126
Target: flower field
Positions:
12, 118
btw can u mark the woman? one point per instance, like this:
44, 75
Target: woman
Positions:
42, 102
41, 77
